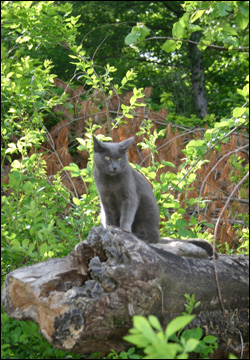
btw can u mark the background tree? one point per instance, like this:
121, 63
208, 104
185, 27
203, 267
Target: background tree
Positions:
106, 24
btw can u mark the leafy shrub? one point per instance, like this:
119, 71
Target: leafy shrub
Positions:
19, 337
174, 342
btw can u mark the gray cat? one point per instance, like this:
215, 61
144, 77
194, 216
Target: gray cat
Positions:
126, 197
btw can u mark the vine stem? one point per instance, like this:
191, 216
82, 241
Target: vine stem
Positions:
227, 202
215, 234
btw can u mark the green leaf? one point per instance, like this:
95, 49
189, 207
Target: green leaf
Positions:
142, 324
124, 80
209, 339
16, 164
15, 245
162, 351
191, 345
238, 112
208, 225
195, 333
167, 163
14, 334
155, 322
25, 243
51, 225
75, 171
242, 21
138, 33
81, 141
193, 220
9, 75
90, 71
132, 38
28, 188
169, 205
178, 30
129, 116
194, 28
244, 92
177, 324
191, 201
186, 233
202, 205
244, 10
138, 340
181, 211
43, 248
197, 15
125, 107
31, 248
223, 8
76, 201
12, 148
169, 46
232, 356
132, 100
181, 223
144, 31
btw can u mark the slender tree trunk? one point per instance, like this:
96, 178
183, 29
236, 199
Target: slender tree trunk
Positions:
198, 77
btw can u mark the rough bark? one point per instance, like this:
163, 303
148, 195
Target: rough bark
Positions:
198, 77
85, 302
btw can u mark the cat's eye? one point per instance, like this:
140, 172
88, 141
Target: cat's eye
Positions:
120, 159
107, 158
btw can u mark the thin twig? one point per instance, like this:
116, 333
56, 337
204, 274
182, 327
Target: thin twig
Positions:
216, 47
215, 234
229, 153
209, 149
227, 202
99, 47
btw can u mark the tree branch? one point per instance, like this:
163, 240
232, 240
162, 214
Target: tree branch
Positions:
215, 47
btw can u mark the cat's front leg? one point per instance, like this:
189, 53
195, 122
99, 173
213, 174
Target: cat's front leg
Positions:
108, 217
128, 211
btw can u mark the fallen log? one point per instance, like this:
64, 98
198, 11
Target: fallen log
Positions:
85, 302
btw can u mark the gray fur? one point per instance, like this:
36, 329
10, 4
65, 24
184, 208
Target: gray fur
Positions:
126, 197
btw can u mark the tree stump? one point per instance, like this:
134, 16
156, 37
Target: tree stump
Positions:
85, 302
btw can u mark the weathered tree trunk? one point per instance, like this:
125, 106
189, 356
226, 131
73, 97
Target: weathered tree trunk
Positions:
198, 77
85, 301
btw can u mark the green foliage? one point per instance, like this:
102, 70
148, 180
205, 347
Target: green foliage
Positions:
19, 337
222, 26
174, 342
237, 173
243, 234
182, 182
138, 33
226, 32
88, 206
26, 80
132, 353
32, 227
190, 304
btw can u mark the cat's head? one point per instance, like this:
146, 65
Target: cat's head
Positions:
111, 158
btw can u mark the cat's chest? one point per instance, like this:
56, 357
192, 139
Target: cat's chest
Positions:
112, 187
116, 188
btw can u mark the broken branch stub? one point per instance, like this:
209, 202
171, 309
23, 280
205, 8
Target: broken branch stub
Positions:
85, 302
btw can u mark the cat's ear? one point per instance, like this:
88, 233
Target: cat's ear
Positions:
98, 145
125, 144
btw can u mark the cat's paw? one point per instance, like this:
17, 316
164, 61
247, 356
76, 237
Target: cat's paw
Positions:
127, 231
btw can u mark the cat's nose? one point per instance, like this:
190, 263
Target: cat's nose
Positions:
114, 168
